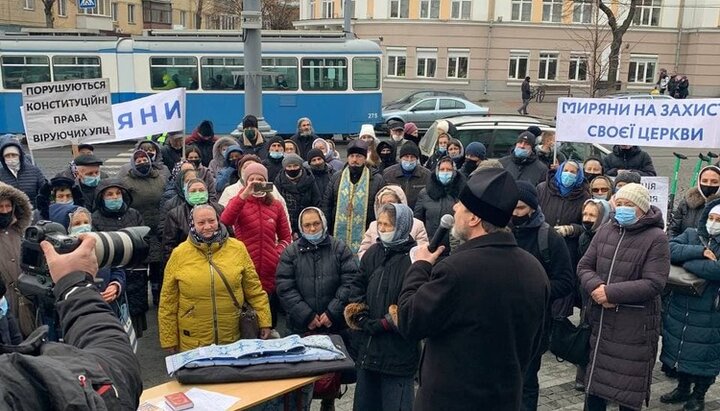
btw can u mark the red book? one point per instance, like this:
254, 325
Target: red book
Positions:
178, 401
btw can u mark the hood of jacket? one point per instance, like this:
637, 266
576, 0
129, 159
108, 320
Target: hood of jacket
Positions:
105, 184
694, 197
653, 218
8, 143
329, 152
395, 189
21, 205
577, 192
322, 219
603, 213
232, 149
701, 229
217, 153
632, 152
158, 153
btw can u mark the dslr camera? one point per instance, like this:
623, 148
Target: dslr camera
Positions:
123, 248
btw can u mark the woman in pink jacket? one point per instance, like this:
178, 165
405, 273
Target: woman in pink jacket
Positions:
261, 223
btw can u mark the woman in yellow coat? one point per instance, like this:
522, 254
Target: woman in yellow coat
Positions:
196, 309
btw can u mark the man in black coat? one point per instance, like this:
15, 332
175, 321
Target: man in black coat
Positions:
628, 158
304, 137
526, 94
94, 369
523, 163
536, 236
409, 174
481, 310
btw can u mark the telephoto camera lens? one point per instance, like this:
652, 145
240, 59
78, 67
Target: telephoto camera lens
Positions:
122, 248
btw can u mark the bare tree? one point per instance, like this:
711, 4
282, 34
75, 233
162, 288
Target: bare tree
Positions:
618, 31
199, 14
279, 14
48, 8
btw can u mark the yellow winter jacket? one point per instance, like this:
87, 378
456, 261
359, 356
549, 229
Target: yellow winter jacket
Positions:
195, 307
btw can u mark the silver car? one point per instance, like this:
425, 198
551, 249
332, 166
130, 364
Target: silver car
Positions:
424, 112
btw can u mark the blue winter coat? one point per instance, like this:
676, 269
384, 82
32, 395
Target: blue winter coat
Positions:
691, 341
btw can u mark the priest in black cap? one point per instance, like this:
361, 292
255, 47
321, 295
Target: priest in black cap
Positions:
480, 310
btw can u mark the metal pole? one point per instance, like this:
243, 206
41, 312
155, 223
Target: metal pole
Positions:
347, 13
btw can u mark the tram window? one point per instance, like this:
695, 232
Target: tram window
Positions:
222, 73
284, 73
366, 73
324, 74
18, 70
76, 67
171, 72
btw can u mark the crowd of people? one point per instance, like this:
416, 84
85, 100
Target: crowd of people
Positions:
340, 246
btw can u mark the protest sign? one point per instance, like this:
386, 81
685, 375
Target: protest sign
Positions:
69, 112
689, 123
659, 188
154, 114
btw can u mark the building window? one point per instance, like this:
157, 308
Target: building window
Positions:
521, 10
429, 9
578, 67
552, 10
312, 9
183, 18
29, 5
328, 9
102, 8
160, 13
131, 13
461, 9
582, 11
458, 63
548, 66
399, 9
396, 62
642, 70
62, 8
224, 22
426, 62
114, 11
517, 65
648, 13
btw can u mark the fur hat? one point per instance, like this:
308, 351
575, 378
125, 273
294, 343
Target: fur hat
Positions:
492, 195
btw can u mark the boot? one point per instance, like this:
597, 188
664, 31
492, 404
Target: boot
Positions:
679, 394
327, 404
697, 398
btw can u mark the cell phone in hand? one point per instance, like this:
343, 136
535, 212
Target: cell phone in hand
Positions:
263, 187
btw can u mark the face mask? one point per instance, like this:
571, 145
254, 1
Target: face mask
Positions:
330, 154
387, 237
600, 196
250, 134
198, 197
276, 155
588, 225
455, 156
713, 228
567, 178
91, 181
79, 229
293, 173
445, 177
589, 176
151, 155
442, 150
68, 201
397, 138
409, 165
315, 238
4, 307
113, 204
143, 169
708, 190
625, 215
470, 166
5, 219
195, 163
356, 171
521, 152
519, 221
13, 163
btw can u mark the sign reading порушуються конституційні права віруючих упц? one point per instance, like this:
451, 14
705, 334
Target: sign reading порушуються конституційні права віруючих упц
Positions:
693, 123
79, 111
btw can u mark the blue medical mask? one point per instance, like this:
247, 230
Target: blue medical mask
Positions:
4, 307
442, 150
445, 177
408, 165
276, 155
315, 238
113, 204
521, 152
568, 179
68, 201
625, 215
79, 229
91, 181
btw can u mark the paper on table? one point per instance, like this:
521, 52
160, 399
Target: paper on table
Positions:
203, 400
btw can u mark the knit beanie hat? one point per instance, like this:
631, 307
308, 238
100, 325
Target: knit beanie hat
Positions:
250, 121
292, 158
637, 193
314, 153
527, 194
410, 128
367, 130
627, 177
254, 168
476, 149
409, 148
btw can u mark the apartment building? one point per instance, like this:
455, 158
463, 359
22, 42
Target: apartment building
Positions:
484, 47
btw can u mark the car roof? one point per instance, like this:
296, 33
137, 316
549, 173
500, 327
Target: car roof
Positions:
460, 121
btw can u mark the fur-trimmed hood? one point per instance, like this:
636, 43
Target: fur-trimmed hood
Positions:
21, 205
217, 153
395, 189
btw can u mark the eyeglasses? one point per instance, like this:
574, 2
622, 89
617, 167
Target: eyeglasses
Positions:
602, 190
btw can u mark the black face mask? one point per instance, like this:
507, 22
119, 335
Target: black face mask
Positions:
143, 169
590, 176
293, 173
195, 163
588, 225
708, 190
6, 219
469, 166
520, 221
356, 171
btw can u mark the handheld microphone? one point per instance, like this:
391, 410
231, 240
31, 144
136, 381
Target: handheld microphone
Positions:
446, 223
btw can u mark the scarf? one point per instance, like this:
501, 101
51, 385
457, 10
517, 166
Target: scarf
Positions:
579, 180
351, 209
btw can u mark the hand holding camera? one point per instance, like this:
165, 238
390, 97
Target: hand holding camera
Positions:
81, 259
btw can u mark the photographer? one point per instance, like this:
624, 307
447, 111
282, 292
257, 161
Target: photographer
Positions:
94, 369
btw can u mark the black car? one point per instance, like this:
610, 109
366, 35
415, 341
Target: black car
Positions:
420, 94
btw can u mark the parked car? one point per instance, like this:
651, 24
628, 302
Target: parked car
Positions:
628, 96
420, 94
424, 112
499, 135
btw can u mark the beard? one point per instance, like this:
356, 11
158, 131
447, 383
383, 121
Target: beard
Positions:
306, 133
459, 233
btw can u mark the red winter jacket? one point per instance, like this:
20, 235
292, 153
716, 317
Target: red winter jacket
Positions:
265, 231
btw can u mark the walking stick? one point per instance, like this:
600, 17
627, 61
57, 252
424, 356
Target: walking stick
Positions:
711, 156
698, 166
673, 186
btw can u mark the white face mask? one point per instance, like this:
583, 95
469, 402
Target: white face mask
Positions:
713, 227
386, 237
397, 137
13, 163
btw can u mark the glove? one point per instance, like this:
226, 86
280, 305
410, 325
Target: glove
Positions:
356, 315
565, 230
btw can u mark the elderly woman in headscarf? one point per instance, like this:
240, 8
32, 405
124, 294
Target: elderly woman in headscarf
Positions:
387, 362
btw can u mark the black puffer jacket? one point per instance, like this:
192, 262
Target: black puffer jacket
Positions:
108, 220
176, 226
315, 279
298, 195
632, 159
322, 177
274, 167
436, 200
147, 192
382, 272
529, 169
29, 178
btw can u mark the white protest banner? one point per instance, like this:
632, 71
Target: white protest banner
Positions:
659, 188
69, 112
691, 123
154, 114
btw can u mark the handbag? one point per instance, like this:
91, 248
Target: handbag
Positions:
682, 281
249, 328
570, 342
